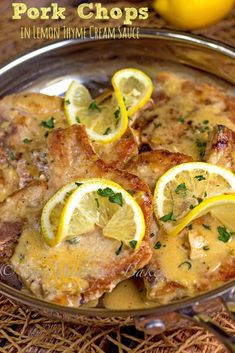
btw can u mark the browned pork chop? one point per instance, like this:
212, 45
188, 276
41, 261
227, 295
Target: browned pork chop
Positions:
23, 207
26, 120
76, 272
150, 166
183, 115
196, 260
221, 147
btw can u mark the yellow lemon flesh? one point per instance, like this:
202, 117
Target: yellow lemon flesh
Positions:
105, 122
134, 86
183, 188
191, 14
81, 207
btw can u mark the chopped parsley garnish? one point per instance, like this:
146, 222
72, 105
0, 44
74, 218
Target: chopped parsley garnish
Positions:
49, 124
158, 245
97, 202
190, 227
107, 131
181, 188
185, 263
156, 125
199, 199
199, 177
206, 226
133, 244
11, 155
224, 234
67, 102
73, 241
191, 207
78, 120
206, 248
117, 252
124, 100
206, 122
202, 147
205, 194
111, 195
168, 217
77, 183
181, 120
27, 141
94, 106
117, 115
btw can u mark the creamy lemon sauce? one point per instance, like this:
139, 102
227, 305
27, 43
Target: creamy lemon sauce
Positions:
56, 268
8, 181
183, 123
52, 272
129, 294
192, 256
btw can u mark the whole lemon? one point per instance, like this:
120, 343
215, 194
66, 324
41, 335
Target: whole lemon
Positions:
191, 14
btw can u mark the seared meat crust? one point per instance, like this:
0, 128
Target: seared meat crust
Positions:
150, 166
221, 147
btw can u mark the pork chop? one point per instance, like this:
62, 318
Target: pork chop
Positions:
197, 259
26, 120
150, 166
76, 272
183, 115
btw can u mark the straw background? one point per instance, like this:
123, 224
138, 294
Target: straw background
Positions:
25, 331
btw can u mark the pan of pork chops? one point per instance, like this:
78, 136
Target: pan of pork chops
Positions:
159, 280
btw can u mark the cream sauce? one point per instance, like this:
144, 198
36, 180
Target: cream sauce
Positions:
183, 123
129, 294
194, 255
56, 269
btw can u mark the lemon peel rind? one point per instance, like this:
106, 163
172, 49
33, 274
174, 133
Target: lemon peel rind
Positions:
201, 210
138, 73
58, 197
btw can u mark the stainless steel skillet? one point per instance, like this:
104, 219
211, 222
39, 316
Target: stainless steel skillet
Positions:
50, 69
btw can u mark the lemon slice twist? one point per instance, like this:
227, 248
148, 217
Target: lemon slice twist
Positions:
78, 208
106, 121
182, 193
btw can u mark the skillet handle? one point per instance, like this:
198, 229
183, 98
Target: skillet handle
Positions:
203, 315
200, 313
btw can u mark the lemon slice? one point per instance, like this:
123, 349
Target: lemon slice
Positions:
52, 211
221, 207
185, 186
95, 203
134, 86
105, 122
